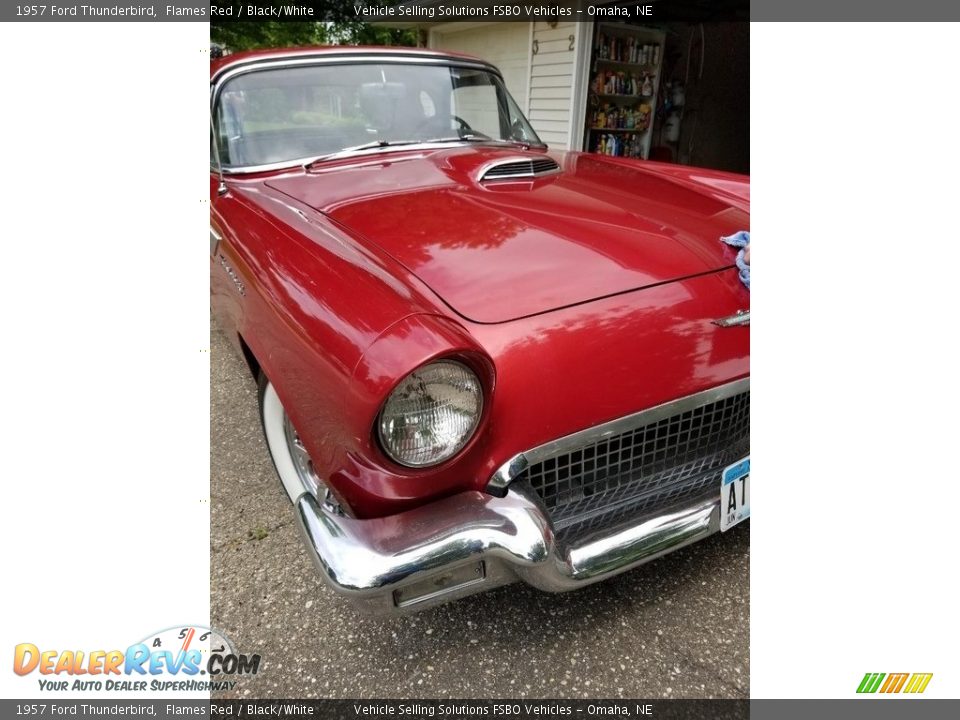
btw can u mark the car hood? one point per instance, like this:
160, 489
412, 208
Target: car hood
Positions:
501, 250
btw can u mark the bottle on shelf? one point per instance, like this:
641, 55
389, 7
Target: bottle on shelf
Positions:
617, 117
627, 50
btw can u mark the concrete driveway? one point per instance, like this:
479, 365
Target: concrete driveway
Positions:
675, 628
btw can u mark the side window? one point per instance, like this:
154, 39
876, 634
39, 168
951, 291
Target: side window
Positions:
220, 139
477, 105
518, 125
227, 120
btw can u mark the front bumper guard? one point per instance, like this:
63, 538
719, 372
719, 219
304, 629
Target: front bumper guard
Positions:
472, 542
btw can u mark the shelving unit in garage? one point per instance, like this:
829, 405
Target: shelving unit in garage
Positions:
625, 80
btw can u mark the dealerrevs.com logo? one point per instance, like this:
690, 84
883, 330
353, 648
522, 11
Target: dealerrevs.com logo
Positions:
894, 683
182, 658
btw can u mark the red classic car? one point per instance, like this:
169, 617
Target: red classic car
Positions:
480, 360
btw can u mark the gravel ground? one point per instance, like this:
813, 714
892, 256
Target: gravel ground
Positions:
675, 628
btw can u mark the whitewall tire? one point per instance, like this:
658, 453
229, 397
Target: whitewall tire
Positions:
289, 456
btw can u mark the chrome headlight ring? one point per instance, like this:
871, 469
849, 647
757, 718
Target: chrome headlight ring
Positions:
431, 414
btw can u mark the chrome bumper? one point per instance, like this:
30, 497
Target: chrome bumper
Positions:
473, 542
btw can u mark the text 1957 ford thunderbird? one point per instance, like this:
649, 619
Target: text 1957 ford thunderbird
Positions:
480, 360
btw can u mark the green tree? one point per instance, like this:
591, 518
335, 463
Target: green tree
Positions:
265, 34
338, 25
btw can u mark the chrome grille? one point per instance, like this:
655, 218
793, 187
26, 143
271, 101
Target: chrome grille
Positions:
520, 169
644, 470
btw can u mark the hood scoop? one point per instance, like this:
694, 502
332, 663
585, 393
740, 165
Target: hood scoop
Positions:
518, 168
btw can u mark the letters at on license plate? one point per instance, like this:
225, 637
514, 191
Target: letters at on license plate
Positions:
735, 494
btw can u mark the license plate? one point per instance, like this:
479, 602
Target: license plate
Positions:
735, 494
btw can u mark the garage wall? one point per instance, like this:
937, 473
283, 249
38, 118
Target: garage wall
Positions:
551, 82
506, 45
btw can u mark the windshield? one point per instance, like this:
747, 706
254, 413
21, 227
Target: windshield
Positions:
301, 113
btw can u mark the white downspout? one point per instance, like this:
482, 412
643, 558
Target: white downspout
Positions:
583, 39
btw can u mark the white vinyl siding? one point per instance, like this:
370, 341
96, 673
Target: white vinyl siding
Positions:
551, 79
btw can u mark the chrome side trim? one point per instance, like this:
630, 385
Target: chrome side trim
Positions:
741, 317
506, 473
369, 561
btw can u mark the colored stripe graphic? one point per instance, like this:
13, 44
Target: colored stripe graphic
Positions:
870, 682
918, 682
894, 682
915, 683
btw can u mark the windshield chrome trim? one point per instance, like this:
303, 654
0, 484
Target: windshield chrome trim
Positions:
511, 469
340, 58
353, 55
272, 63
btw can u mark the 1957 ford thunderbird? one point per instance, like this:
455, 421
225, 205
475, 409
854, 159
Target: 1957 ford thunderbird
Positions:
480, 360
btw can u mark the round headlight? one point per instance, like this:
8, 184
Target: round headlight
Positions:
431, 414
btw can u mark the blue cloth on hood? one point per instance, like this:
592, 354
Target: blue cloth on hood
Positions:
740, 240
